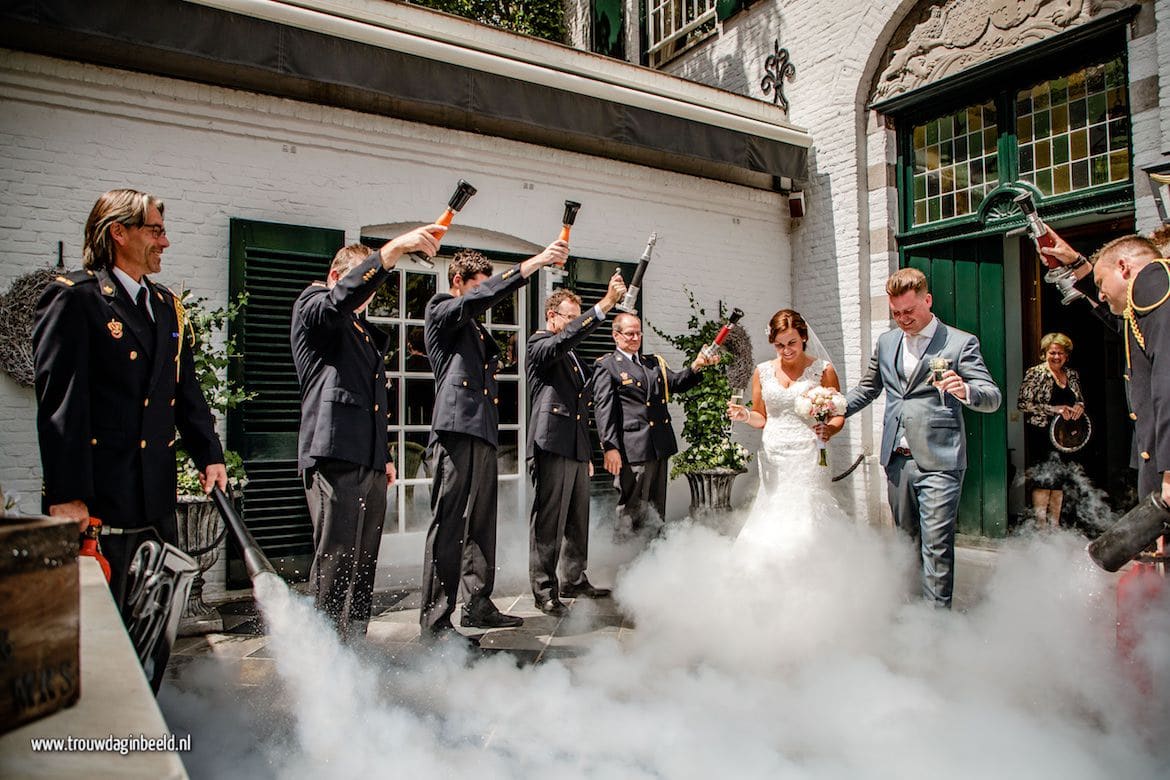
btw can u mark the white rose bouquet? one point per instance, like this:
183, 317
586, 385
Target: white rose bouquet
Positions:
819, 404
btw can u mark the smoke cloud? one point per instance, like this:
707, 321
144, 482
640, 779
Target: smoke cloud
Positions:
804, 657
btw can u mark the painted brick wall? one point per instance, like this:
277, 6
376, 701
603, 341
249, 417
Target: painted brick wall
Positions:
69, 132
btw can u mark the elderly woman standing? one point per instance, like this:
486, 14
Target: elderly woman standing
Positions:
1049, 389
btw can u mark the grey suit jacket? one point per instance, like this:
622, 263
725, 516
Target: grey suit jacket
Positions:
933, 429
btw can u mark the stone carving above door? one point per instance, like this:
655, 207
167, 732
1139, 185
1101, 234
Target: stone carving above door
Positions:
939, 39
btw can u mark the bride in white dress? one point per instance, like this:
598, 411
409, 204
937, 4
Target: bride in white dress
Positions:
794, 489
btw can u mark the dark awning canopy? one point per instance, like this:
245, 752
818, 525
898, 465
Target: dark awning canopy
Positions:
359, 66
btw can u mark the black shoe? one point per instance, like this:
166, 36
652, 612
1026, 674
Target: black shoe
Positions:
584, 590
486, 619
446, 635
553, 607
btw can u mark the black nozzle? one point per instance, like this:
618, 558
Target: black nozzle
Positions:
463, 193
1135, 531
736, 316
1025, 202
254, 559
571, 207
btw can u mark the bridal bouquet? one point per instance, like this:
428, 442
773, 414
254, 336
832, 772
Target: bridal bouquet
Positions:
818, 404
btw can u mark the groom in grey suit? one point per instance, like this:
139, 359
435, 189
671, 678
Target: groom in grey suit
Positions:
923, 438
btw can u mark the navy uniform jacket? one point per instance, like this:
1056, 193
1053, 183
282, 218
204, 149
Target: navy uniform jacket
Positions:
464, 358
561, 397
109, 395
1149, 372
630, 405
339, 359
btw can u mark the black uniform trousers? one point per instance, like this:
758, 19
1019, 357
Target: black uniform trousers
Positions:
559, 524
347, 505
461, 541
641, 489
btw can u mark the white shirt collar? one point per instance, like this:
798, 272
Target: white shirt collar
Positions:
927, 332
627, 354
128, 284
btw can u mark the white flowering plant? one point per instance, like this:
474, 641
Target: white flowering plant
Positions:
820, 404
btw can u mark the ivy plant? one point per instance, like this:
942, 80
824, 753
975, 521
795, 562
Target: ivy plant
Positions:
707, 430
211, 370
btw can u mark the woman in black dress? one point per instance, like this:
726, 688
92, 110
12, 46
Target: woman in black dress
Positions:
1049, 389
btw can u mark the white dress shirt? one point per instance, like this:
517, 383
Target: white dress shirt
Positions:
132, 287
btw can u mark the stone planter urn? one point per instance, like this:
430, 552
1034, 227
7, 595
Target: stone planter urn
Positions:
199, 525
711, 490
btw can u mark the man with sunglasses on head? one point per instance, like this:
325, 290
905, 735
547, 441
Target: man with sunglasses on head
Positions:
559, 448
630, 396
114, 378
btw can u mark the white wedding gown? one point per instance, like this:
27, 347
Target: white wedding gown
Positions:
795, 491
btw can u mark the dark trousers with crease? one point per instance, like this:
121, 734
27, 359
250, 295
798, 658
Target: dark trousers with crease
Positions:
460, 553
559, 524
347, 505
641, 487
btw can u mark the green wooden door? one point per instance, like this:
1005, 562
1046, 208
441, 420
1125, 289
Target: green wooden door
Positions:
272, 263
966, 281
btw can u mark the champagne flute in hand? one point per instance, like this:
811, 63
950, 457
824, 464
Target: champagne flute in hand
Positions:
938, 365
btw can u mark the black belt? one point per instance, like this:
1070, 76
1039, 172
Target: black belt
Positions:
903, 451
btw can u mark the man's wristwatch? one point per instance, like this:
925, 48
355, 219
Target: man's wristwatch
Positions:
1075, 264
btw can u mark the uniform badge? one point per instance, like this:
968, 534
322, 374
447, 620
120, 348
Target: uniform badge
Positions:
625, 375
115, 328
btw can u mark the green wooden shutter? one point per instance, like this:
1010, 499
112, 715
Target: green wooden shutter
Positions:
272, 263
966, 282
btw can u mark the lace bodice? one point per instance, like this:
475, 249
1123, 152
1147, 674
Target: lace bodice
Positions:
788, 449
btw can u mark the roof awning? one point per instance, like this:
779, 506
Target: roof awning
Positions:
360, 61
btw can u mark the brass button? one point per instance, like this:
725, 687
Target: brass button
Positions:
485, 391
93, 441
578, 417
375, 407
133, 355
172, 402
171, 443
487, 365
651, 423
1132, 416
146, 402
142, 444
667, 420
496, 401
1145, 456
465, 383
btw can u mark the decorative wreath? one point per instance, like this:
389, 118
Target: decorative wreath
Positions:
18, 308
738, 361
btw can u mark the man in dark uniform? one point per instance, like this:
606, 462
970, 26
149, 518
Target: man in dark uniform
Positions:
1130, 276
1134, 280
630, 393
342, 447
558, 448
114, 377
460, 550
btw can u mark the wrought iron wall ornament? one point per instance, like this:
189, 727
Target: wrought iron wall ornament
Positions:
777, 67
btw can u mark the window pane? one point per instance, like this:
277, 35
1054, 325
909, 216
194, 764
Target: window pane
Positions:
950, 153
416, 351
420, 288
420, 401
508, 453
392, 400
385, 303
415, 465
1086, 123
509, 403
505, 312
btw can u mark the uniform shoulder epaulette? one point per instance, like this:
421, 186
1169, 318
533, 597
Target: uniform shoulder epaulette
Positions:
71, 278
1151, 287
162, 288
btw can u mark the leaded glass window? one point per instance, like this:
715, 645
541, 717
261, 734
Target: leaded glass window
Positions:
1073, 131
955, 163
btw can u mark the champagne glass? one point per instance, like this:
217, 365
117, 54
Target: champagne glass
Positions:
938, 365
736, 399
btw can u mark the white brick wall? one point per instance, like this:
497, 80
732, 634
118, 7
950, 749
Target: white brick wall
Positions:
69, 132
